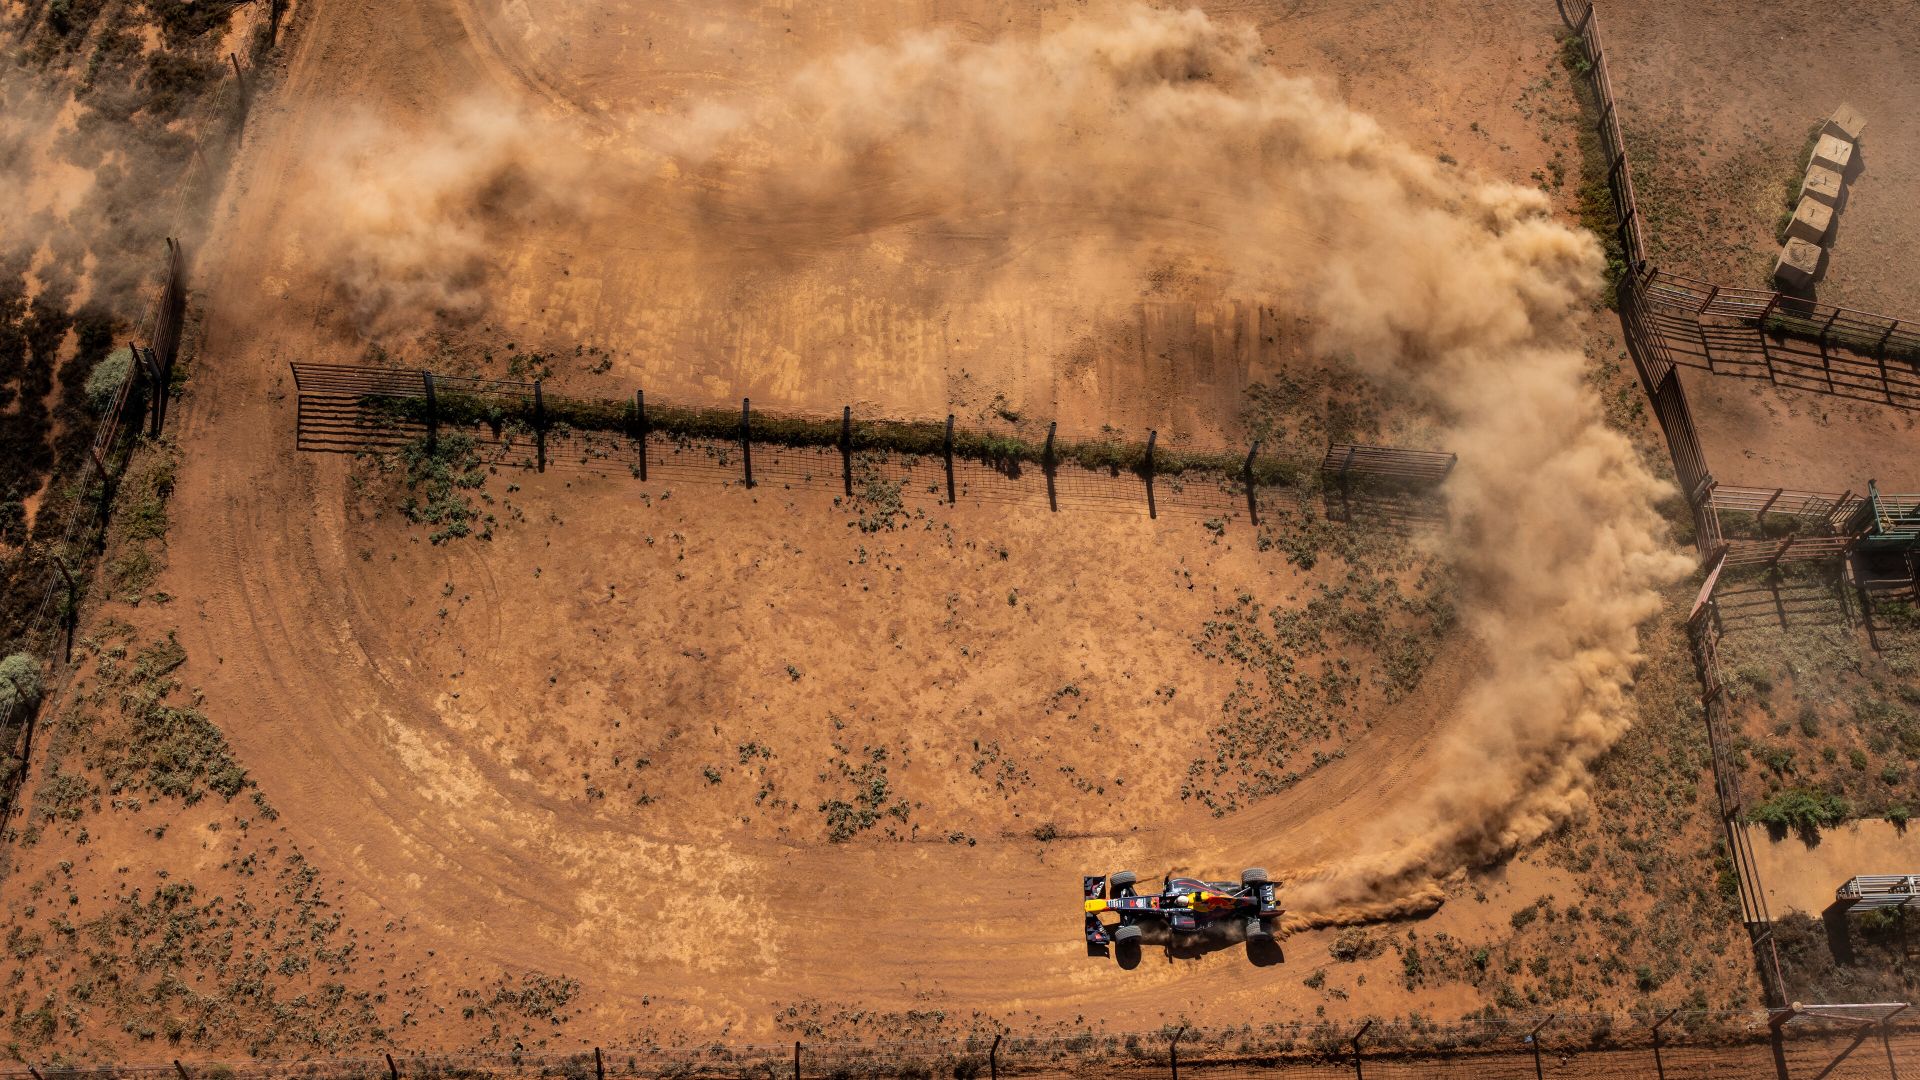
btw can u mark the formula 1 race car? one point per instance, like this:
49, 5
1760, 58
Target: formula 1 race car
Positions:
1185, 905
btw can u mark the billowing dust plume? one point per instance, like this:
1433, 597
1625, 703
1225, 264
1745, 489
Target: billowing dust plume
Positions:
406, 222
1148, 136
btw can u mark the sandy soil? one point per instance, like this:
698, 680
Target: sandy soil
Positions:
1757, 434
1799, 876
822, 334
1718, 100
498, 855
475, 772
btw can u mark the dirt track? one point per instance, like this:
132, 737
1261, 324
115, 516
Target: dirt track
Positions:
336, 696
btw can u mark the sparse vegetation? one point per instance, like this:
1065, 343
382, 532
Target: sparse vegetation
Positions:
1814, 708
870, 797
220, 935
437, 475
1312, 673
150, 742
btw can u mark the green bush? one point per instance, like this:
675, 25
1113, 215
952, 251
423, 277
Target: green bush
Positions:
1803, 810
19, 681
103, 382
437, 474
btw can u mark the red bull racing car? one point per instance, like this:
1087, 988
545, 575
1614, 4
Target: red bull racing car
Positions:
1185, 905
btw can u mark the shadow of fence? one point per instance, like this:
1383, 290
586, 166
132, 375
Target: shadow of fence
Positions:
1790, 342
1788, 603
517, 424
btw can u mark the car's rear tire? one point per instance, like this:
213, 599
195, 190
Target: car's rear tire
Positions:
1121, 880
1126, 935
1258, 930
1253, 875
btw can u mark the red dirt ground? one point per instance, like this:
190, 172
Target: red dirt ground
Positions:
467, 782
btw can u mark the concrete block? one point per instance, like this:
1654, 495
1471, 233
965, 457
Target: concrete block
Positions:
1799, 261
1822, 183
1846, 124
1811, 220
1833, 153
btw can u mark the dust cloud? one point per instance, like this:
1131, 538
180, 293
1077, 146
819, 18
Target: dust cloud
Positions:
1144, 137
406, 222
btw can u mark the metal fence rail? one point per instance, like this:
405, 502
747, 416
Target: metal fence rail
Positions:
1864, 331
1796, 343
1630, 232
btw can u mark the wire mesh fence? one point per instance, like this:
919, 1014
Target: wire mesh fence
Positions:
87, 494
353, 409
1809, 1042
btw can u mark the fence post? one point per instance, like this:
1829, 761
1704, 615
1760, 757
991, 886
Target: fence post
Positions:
393, 1071
1761, 329
150, 376
1600, 128
599, 1067
1173, 1052
993, 1059
1880, 350
796, 1059
1253, 504
746, 441
181, 1069
640, 417
1357, 1074
1659, 1067
539, 428
948, 447
1152, 437
159, 403
1046, 466
433, 412
1533, 1040
846, 448
35, 1073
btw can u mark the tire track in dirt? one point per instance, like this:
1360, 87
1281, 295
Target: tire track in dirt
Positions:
378, 786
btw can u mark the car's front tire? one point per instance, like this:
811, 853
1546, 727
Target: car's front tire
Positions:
1126, 935
1121, 880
